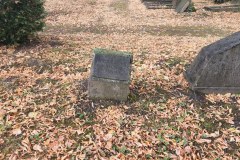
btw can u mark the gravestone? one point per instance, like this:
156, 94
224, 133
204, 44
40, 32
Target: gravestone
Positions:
216, 69
159, 4
228, 8
182, 5
174, 3
110, 75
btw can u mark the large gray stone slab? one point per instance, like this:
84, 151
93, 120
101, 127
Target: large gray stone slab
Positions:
113, 65
216, 69
228, 8
182, 5
110, 75
158, 4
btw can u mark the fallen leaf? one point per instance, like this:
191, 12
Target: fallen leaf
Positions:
203, 141
54, 146
17, 131
32, 114
37, 147
26, 144
109, 145
108, 137
233, 130
214, 135
68, 143
188, 149
178, 151
2, 114
1, 141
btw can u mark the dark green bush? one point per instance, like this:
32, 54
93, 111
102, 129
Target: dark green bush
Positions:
20, 20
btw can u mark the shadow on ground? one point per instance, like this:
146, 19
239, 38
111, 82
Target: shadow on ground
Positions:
162, 30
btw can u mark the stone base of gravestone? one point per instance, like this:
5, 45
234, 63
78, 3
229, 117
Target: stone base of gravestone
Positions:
182, 5
229, 8
110, 75
216, 68
158, 4
100, 88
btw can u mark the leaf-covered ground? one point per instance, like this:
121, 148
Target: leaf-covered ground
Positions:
45, 112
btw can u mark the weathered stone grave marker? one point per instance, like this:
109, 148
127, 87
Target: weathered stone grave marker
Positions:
159, 4
216, 69
228, 8
110, 75
182, 5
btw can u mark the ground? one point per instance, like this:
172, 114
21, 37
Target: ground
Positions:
45, 112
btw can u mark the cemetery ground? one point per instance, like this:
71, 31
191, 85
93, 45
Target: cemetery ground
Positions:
45, 112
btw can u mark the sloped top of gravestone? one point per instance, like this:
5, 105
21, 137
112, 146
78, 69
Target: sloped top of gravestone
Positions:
201, 61
226, 8
113, 65
182, 5
223, 44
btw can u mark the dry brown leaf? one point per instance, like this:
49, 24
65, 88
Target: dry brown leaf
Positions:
203, 141
188, 149
37, 147
54, 146
1, 141
2, 114
17, 131
26, 144
32, 114
68, 143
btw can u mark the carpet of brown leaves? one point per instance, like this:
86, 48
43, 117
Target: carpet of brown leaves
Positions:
45, 112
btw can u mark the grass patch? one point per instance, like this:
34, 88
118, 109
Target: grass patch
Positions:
212, 125
156, 123
11, 143
80, 70
66, 61
9, 83
43, 81
66, 122
122, 150
174, 61
63, 51
39, 65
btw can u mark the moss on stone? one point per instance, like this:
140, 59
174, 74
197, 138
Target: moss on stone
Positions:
112, 52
